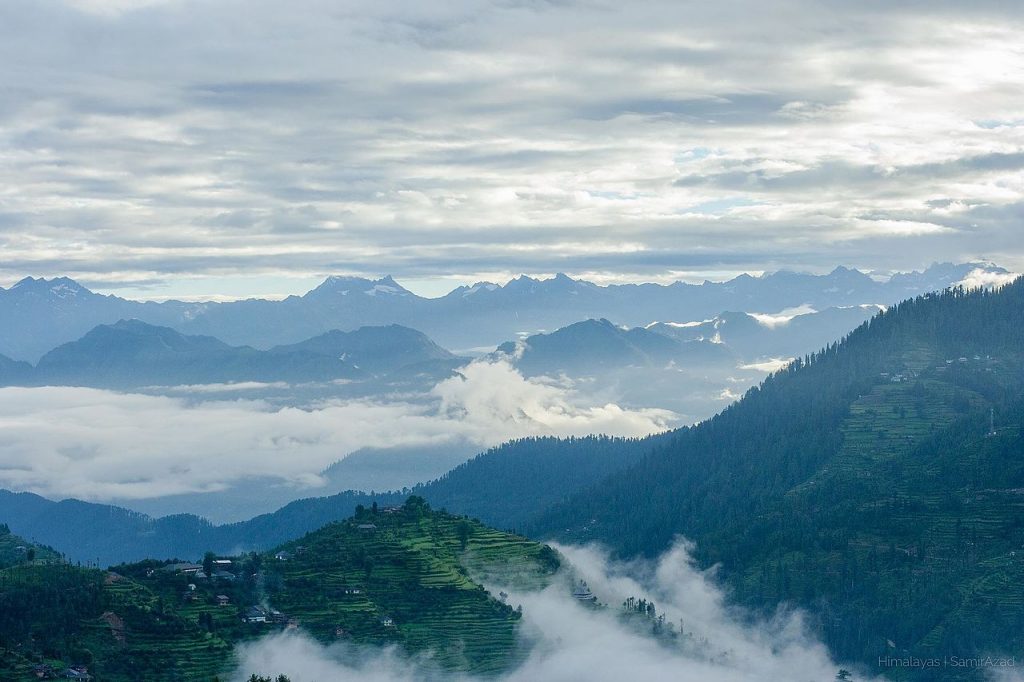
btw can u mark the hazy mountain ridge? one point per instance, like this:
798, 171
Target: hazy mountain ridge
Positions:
374, 349
42, 314
13, 371
594, 346
132, 353
505, 487
754, 336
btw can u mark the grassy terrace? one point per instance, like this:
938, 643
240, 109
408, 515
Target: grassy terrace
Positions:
416, 568
61, 615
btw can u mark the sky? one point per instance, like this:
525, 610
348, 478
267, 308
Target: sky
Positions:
157, 148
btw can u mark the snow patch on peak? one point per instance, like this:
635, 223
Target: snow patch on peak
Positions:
58, 287
64, 290
385, 289
478, 287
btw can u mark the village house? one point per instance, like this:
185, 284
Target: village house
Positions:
283, 556
255, 614
367, 527
223, 600
44, 671
582, 592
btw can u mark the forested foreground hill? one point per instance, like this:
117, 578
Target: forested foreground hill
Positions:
389, 576
877, 483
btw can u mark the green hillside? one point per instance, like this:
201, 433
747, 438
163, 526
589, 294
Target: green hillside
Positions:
402, 575
59, 616
864, 483
16, 551
418, 569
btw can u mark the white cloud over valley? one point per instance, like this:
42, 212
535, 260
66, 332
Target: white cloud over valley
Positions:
99, 445
570, 642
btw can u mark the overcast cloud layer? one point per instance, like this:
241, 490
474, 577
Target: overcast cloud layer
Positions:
99, 445
254, 141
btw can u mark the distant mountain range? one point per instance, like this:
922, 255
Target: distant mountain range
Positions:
374, 350
594, 346
40, 314
875, 484
754, 336
132, 354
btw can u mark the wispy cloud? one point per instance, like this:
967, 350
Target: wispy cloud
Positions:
772, 365
783, 317
571, 642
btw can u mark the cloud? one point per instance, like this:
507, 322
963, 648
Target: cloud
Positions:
113, 8
772, 320
772, 365
570, 642
454, 139
493, 395
984, 279
100, 445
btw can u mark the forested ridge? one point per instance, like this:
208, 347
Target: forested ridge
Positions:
504, 487
864, 482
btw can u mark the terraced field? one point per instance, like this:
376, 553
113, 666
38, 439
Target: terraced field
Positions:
922, 503
123, 632
406, 576
409, 576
